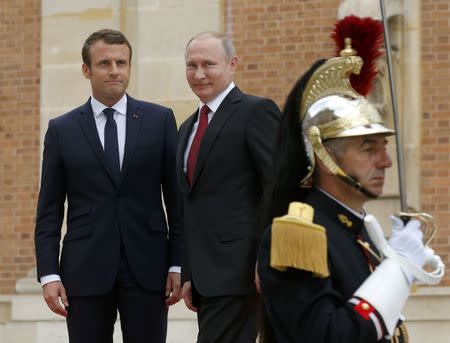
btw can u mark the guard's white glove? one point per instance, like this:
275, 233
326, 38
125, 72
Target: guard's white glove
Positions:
406, 240
387, 288
433, 260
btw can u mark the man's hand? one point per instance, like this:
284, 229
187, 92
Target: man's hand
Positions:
173, 285
186, 293
257, 279
406, 240
54, 295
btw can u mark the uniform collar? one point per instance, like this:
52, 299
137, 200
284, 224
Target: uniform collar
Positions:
335, 210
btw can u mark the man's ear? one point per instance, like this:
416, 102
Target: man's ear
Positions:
86, 71
233, 63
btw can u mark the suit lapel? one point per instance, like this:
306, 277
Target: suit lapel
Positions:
185, 132
223, 113
87, 122
134, 120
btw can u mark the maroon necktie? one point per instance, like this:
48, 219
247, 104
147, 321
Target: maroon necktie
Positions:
195, 146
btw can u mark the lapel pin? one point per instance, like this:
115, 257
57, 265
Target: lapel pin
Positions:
135, 116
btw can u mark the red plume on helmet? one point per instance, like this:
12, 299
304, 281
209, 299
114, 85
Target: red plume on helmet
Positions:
367, 39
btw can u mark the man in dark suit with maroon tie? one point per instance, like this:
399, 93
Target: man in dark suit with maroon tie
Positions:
224, 162
110, 158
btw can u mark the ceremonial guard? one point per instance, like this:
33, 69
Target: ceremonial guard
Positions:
326, 272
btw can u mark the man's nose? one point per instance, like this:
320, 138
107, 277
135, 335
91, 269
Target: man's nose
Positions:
114, 69
199, 73
385, 160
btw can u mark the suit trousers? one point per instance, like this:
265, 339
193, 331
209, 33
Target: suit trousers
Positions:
143, 314
228, 319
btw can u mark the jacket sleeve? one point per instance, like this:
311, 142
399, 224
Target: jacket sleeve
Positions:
261, 136
171, 192
50, 208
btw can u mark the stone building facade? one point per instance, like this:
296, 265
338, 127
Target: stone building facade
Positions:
276, 40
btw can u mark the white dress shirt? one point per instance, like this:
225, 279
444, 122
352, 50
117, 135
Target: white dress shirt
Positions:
213, 105
120, 116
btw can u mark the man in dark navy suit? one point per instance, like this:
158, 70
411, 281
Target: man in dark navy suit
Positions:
110, 159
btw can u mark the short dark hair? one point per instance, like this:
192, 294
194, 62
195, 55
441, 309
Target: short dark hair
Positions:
108, 36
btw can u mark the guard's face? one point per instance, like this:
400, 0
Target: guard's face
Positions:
365, 158
208, 71
109, 72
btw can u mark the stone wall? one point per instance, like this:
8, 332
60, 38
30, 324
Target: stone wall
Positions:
19, 136
277, 40
435, 164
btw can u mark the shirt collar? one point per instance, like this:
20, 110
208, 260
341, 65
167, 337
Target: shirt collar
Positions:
215, 103
120, 106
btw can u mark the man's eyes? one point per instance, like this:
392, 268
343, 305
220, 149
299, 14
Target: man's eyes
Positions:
107, 63
204, 65
368, 148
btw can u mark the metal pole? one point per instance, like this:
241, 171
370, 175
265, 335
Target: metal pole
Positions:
400, 160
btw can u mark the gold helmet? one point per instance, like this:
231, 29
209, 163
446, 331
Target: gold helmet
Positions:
331, 107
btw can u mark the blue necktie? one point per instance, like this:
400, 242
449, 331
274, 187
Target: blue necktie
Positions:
111, 142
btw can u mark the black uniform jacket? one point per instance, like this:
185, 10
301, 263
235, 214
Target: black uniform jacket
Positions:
304, 308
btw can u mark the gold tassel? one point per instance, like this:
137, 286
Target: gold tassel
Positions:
299, 243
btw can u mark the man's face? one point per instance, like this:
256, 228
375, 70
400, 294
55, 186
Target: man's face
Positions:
365, 158
208, 71
109, 72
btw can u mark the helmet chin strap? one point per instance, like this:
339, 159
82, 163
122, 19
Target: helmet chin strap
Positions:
324, 156
353, 181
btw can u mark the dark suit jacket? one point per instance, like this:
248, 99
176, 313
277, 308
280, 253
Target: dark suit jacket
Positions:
102, 211
222, 207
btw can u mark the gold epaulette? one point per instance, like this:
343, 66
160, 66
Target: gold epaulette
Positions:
299, 243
